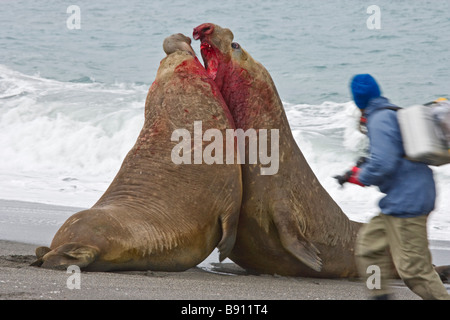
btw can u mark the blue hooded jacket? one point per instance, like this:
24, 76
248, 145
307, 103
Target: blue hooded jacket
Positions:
409, 186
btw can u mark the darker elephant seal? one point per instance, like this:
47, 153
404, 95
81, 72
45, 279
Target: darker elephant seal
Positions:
289, 225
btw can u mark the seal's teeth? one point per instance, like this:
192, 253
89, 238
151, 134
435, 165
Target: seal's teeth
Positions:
205, 45
196, 35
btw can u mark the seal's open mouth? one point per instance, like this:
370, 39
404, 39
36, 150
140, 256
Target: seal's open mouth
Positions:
206, 50
210, 59
209, 53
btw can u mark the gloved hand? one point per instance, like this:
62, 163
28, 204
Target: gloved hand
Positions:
352, 175
343, 178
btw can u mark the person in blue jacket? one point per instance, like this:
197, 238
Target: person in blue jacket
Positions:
401, 227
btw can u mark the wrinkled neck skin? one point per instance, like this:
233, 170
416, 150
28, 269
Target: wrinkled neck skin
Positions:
177, 71
173, 102
249, 92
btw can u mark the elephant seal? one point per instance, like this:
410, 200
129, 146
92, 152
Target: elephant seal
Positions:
158, 215
289, 225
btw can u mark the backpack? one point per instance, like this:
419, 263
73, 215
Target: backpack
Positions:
425, 132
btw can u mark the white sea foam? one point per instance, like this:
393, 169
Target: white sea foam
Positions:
63, 142
59, 136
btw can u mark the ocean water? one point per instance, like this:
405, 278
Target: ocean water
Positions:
72, 100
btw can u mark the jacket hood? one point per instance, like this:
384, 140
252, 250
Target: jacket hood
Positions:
377, 103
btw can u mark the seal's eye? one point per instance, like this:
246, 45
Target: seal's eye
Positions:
235, 45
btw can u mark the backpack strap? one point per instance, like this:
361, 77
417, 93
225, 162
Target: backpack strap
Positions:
363, 119
391, 108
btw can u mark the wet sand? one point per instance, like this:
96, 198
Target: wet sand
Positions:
226, 281
210, 281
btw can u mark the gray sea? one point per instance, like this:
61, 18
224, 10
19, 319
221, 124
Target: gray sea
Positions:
74, 76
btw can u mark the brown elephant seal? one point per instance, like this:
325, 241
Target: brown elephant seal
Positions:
289, 225
158, 215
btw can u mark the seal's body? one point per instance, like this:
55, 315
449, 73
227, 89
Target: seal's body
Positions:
158, 215
289, 225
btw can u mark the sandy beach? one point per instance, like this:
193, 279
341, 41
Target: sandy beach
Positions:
216, 282
227, 281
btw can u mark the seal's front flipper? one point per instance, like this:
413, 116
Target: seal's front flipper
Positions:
229, 229
40, 253
69, 254
293, 240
